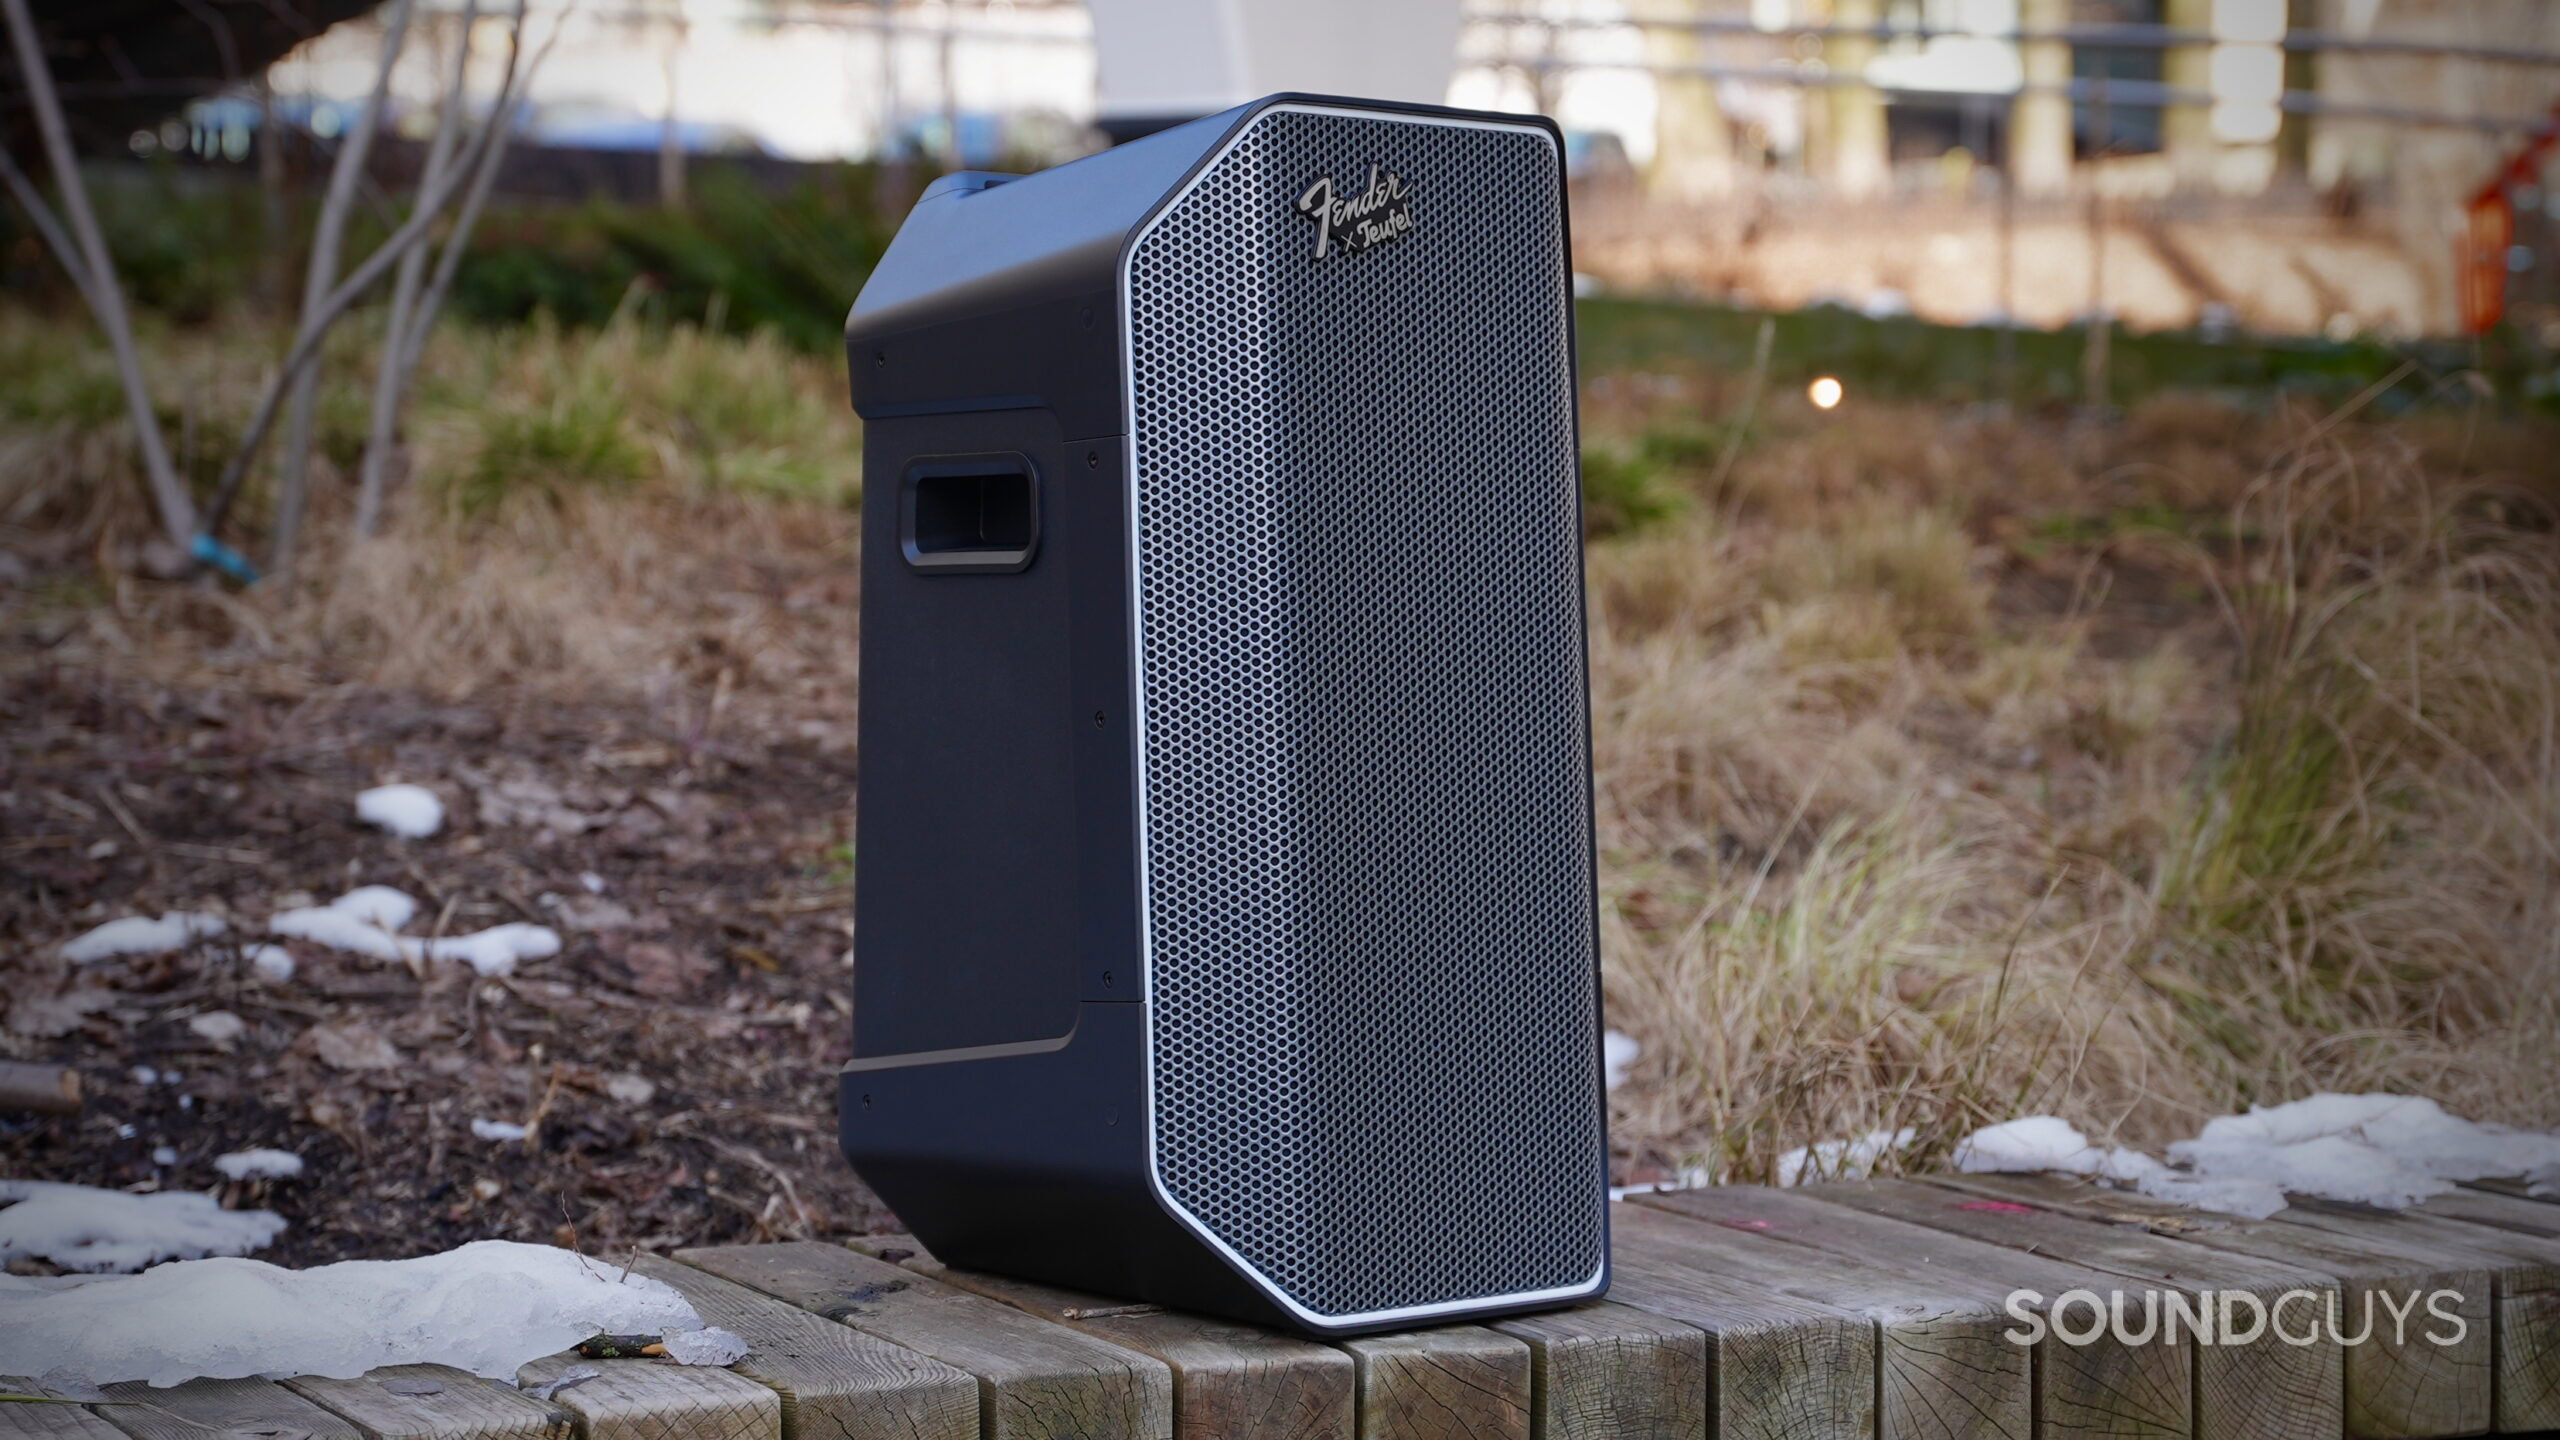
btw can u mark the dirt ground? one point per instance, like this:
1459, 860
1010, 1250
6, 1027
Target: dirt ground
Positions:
675, 1061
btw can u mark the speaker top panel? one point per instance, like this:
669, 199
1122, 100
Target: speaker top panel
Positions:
1371, 954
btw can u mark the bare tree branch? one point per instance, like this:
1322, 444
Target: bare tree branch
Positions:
307, 343
225, 46
41, 216
389, 379
326, 239
457, 241
177, 512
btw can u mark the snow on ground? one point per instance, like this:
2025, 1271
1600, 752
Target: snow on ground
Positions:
80, 1228
496, 950
411, 811
272, 963
2045, 1143
340, 926
487, 1307
2384, 1150
1841, 1159
2388, 1150
367, 921
258, 1165
501, 1130
705, 1347
136, 935
1617, 1052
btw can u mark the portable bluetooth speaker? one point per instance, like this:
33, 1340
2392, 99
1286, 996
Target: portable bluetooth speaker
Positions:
1225, 929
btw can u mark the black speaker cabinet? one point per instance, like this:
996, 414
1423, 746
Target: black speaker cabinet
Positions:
1225, 927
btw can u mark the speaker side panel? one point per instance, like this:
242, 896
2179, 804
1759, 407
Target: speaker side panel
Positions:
1365, 779
965, 822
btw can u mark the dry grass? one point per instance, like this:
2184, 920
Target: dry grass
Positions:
1948, 766
615, 513
2202, 760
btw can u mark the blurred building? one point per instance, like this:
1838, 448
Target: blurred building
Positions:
1162, 62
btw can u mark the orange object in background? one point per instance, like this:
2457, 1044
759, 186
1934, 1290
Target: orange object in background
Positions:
2489, 231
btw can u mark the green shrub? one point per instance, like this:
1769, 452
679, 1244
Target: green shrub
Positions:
1622, 493
577, 439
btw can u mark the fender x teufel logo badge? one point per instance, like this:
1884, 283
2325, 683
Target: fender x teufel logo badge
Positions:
1381, 213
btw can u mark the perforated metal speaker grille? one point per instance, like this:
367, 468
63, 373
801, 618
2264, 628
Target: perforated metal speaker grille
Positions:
1372, 966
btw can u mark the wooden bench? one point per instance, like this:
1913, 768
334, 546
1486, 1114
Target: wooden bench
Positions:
1876, 1311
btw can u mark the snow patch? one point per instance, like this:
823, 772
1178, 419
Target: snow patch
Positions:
271, 963
501, 1130
352, 922
258, 1165
496, 950
366, 922
2389, 1151
81, 1228
135, 935
1841, 1159
487, 1307
1617, 1052
2386, 1150
2047, 1143
219, 1026
410, 811
378, 905
704, 1347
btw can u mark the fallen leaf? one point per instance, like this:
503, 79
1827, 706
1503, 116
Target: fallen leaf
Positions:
593, 912
666, 971
48, 1017
352, 1045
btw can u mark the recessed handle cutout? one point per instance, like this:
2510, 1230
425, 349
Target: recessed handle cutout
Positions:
970, 514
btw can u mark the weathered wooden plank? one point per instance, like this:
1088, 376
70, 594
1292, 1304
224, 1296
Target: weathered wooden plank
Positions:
48, 1422
2400, 1381
1228, 1379
1459, 1382
2103, 1388
386, 1404
2524, 1271
2266, 1391
186, 1412
2502, 1212
832, 1380
1034, 1378
1943, 1370
1777, 1367
644, 1400
1608, 1370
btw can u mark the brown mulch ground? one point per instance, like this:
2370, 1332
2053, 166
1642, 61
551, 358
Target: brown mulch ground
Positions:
676, 1060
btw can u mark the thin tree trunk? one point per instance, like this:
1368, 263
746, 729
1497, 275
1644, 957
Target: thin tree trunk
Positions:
307, 339
491, 158
889, 174
670, 128
389, 378
271, 206
950, 93
450, 258
39, 214
326, 239
177, 512
478, 167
